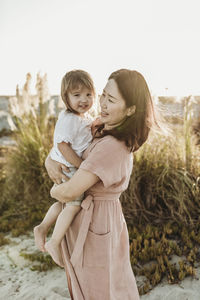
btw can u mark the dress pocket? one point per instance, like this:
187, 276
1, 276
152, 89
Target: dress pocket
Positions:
97, 249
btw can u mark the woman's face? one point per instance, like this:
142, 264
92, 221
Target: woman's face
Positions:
113, 106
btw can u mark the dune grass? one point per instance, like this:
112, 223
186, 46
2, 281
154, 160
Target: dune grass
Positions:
26, 186
161, 204
25, 183
165, 183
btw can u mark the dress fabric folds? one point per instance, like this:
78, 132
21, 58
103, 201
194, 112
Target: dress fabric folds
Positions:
95, 249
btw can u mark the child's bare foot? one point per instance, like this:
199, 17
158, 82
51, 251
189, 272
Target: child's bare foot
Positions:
54, 249
40, 235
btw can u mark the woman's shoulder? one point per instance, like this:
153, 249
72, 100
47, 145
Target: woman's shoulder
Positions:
112, 143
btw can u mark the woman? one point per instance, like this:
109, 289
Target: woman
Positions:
96, 247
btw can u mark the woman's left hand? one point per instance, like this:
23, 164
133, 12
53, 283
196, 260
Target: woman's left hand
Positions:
53, 189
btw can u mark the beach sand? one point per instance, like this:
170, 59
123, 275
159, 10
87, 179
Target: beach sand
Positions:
18, 282
188, 289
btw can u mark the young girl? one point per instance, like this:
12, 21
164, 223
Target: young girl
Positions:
72, 136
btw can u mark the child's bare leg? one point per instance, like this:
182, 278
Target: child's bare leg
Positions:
41, 230
53, 246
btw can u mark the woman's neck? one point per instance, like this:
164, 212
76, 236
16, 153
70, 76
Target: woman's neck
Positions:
112, 126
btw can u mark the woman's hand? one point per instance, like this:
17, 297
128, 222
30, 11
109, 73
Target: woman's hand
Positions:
53, 191
55, 170
58, 192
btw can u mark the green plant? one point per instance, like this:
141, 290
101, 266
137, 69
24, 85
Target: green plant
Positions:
152, 249
3, 240
44, 262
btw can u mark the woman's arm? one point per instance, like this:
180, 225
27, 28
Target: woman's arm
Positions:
55, 170
80, 182
69, 154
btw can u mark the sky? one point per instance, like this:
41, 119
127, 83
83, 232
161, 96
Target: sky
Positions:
159, 38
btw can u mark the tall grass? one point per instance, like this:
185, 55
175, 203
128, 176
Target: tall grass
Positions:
163, 185
165, 180
25, 195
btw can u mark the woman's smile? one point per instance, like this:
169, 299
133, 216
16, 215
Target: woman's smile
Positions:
104, 114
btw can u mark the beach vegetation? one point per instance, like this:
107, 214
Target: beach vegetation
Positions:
41, 261
26, 184
161, 204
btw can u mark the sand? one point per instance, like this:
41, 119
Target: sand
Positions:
188, 289
18, 282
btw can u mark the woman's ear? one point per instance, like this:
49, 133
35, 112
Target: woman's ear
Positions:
131, 110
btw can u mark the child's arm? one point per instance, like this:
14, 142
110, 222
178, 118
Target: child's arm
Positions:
69, 154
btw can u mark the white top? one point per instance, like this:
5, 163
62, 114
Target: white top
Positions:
73, 129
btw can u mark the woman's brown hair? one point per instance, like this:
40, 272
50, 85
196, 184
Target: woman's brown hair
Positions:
135, 129
73, 80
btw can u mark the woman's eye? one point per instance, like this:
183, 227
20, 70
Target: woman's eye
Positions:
110, 100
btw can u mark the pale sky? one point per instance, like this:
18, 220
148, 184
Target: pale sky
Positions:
159, 38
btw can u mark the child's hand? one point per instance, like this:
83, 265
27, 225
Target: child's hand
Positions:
95, 124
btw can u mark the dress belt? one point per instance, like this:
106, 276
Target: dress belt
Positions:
88, 206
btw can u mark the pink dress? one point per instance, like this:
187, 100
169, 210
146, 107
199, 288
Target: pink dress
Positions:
96, 247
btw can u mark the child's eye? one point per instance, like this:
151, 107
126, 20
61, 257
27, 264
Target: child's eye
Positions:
89, 95
110, 100
76, 95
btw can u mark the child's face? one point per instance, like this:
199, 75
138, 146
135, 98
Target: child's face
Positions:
80, 99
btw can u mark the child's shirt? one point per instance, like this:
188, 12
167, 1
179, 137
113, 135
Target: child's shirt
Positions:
73, 129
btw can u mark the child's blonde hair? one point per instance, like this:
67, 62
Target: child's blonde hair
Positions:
72, 80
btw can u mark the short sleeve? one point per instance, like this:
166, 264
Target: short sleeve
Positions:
66, 128
107, 161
